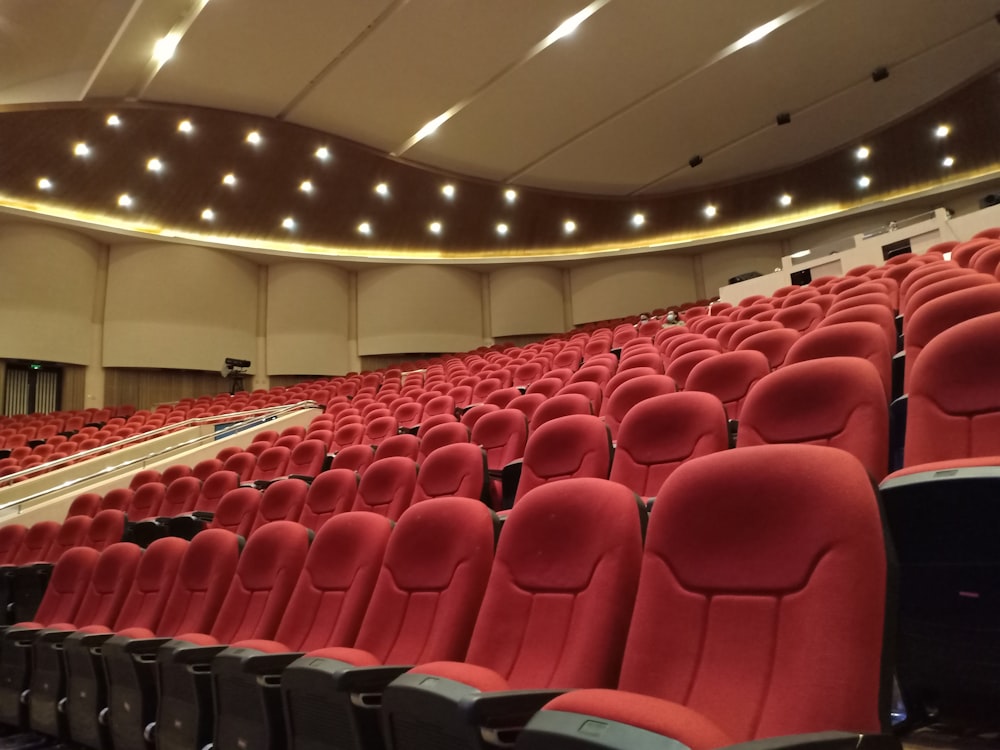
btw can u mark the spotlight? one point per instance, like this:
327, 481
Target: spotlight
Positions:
880, 73
783, 118
695, 160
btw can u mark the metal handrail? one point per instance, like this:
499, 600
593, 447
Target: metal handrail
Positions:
246, 420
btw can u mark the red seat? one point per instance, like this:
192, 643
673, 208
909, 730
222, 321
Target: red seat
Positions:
729, 377
405, 444
502, 435
455, 470
379, 429
578, 445
772, 344
146, 501
835, 401
857, 339
257, 598
527, 404
877, 314
330, 494
554, 616
107, 528
559, 406
423, 608
11, 537
758, 615
660, 433
242, 463
281, 501
630, 393
237, 511
306, 459
142, 477
202, 580
447, 433
679, 369
271, 464
325, 611
84, 505
387, 487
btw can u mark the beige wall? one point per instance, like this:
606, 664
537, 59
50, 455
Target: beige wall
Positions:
419, 308
179, 306
48, 282
626, 286
718, 266
526, 300
308, 304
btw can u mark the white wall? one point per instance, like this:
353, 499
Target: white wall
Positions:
626, 286
526, 300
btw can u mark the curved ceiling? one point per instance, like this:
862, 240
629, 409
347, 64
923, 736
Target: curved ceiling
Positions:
615, 107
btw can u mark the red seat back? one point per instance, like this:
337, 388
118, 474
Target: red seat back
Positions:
577, 445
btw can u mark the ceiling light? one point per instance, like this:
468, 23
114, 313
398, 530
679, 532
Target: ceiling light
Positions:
229, 179
948, 161
864, 181
81, 149
208, 214
288, 223
757, 34
44, 183
571, 24
710, 210
306, 186
154, 165
448, 191
510, 195
253, 137
431, 127
569, 226
863, 152
502, 229
785, 200
322, 153
638, 220
164, 48
124, 200
942, 131
365, 228
114, 121
382, 189
435, 227
800, 254
185, 126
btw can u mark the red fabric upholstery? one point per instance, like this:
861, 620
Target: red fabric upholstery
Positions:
387, 487
631, 392
213, 489
857, 339
281, 501
406, 445
773, 344
146, 501
307, 458
457, 470
429, 423
181, 497
352, 434
107, 528
332, 593
242, 464
357, 457
938, 287
577, 445
877, 314
835, 401
72, 533
954, 404
84, 505
548, 387
331, 493
265, 576
237, 511
729, 377
802, 317
271, 463
526, 404
662, 432
379, 429
154, 576
679, 368
11, 537
67, 586
439, 436
142, 477
559, 406
113, 574
36, 542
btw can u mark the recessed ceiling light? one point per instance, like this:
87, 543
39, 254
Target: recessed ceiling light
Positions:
154, 165
164, 48
114, 121
253, 137
365, 228
124, 200
306, 186
572, 23
569, 226
864, 181
322, 153
785, 200
382, 189
208, 214
863, 152
638, 220
435, 227
947, 161
229, 179
185, 126
510, 195
44, 183
288, 223
710, 210
942, 131
81, 149
800, 254
502, 229
448, 191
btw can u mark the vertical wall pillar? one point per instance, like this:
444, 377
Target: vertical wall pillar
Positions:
260, 377
93, 374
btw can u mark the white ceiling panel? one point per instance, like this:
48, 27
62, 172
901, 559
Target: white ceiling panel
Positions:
422, 61
257, 55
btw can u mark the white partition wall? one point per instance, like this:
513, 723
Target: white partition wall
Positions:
179, 306
419, 308
308, 309
526, 300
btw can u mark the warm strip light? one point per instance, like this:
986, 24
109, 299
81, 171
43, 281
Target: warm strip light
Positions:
800, 254
164, 48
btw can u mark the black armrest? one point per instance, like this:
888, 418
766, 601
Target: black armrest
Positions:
53, 636
507, 708
510, 477
368, 679
91, 640
203, 515
180, 652
263, 664
823, 741
898, 410
302, 478
22, 636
